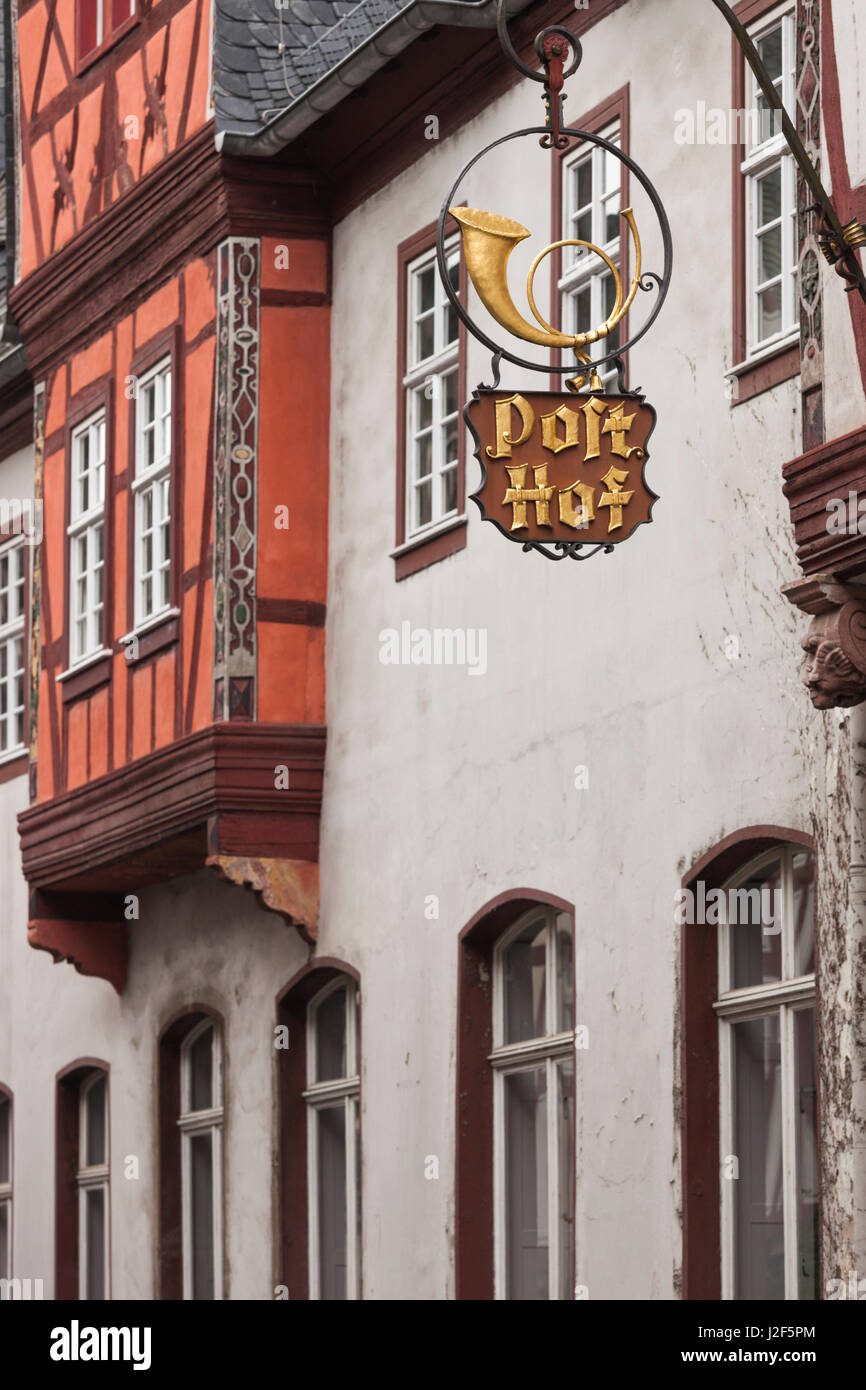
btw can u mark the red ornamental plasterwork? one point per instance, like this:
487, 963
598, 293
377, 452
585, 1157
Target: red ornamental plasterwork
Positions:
236, 442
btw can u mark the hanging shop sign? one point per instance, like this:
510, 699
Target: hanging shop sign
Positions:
562, 473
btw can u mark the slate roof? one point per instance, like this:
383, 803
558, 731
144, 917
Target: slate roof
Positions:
254, 78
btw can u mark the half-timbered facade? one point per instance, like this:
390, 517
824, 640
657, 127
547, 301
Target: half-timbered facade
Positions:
350, 945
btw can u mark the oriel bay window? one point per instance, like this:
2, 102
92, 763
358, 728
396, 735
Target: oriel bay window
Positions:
13, 603
86, 534
152, 492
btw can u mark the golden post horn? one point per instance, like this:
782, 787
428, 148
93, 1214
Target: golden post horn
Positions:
488, 241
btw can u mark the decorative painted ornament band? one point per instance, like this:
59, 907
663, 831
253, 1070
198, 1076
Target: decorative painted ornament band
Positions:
235, 477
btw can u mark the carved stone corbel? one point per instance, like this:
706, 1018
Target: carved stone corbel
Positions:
834, 670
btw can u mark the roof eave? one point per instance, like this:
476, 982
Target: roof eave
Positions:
358, 67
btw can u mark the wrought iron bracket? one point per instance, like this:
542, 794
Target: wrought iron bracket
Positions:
838, 243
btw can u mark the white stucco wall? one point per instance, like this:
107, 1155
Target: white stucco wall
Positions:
439, 783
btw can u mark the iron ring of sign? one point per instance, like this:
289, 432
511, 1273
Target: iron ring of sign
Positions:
662, 281
581, 339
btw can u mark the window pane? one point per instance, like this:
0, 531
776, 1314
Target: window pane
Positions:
770, 255
331, 1037
564, 973
201, 1174
770, 197
759, 1231
424, 407
332, 1201
424, 343
449, 490
526, 1184
583, 184
95, 1112
806, 1119
449, 394
424, 504
582, 311
565, 1173
770, 49
449, 441
5, 1140
426, 283
611, 220
756, 954
583, 230
94, 1200
424, 456
804, 921
769, 312
524, 983
201, 1072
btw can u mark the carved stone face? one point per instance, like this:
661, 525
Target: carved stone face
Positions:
832, 680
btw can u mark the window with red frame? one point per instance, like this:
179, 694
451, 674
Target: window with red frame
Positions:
98, 20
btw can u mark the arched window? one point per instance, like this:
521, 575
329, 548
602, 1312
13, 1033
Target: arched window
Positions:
769, 1132
319, 1088
92, 1180
516, 1119
332, 1096
5, 1183
83, 1186
200, 1123
191, 1159
750, 1104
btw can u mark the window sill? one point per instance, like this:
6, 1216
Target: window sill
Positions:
421, 551
13, 763
765, 370
86, 676
159, 632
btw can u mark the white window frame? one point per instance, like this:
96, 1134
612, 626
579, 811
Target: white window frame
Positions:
785, 998
582, 268
195, 1122
86, 525
6, 1190
762, 158
428, 372
88, 1179
13, 630
507, 1059
149, 480
321, 1095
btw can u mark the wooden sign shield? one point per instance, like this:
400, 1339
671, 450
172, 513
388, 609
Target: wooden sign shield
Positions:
565, 471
